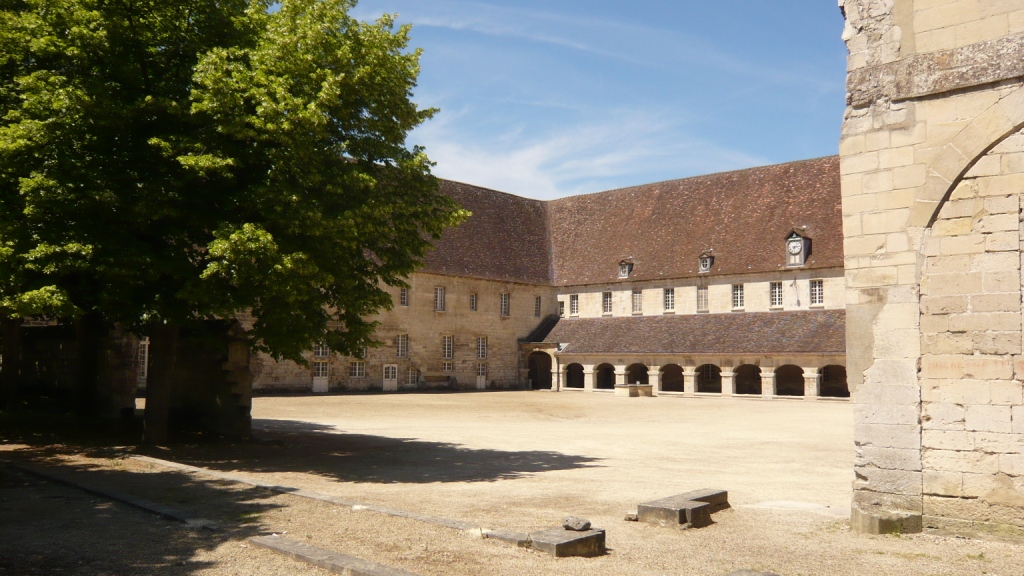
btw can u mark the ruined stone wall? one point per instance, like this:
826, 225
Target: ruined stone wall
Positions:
425, 328
931, 187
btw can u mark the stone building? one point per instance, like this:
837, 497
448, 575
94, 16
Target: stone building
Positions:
728, 284
932, 162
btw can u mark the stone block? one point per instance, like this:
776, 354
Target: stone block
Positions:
871, 520
890, 458
906, 482
959, 461
1002, 241
947, 439
519, 539
326, 559
996, 342
949, 484
1011, 464
692, 509
562, 543
988, 367
942, 416
905, 436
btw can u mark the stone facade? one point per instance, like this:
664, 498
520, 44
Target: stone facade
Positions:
931, 182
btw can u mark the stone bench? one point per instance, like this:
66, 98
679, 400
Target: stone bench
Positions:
634, 390
689, 510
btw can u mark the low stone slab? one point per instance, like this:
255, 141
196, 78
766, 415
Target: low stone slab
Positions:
520, 539
690, 510
562, 543
332, 561
750, 573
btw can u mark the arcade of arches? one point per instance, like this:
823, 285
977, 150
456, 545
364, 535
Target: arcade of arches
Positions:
807, 379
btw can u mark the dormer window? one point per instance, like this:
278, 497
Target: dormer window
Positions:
797, 248
706, 260
625, 269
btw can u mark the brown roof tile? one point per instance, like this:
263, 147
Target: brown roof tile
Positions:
806, 332
744, 216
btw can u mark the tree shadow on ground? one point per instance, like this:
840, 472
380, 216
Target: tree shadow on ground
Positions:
293, 446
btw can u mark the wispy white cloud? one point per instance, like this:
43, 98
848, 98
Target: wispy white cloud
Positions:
621, 149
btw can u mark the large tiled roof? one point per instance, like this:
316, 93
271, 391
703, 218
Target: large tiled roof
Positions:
662, 228
506, 238
806, 332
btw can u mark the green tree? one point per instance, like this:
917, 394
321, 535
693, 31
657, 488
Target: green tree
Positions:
164, 162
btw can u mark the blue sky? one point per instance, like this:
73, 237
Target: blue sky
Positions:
547, 99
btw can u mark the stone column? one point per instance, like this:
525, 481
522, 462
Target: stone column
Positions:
768, 384
556, 380
812, 384
654, 377
588, 377
689, 380
728, 383
620, 375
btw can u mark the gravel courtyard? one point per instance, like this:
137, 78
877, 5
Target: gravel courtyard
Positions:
520, 461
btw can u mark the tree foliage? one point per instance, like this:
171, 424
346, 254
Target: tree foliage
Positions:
169, 161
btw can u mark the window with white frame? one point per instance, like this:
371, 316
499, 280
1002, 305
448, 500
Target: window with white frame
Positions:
391, 372
624, 269
561, 308
447, 367
481, 348
414, 376
321, 350
775, 289
447, 346
638, 301
536, 307
402, 345
472, 302
481, 369
606, 302
439, 299
505, 304
320, 369
357, 369
817, 292
737, 296
702, 298
670, 299
574, 304
142, 362
403, 297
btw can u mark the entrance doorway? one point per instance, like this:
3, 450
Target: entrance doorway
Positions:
539, 364
390, 378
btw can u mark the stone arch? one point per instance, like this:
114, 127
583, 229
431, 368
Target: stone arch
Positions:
709, 379
833, 382
672, 378
789, 380
574, 376
604, 376
539, 365
949, 167
748, 379
637, 374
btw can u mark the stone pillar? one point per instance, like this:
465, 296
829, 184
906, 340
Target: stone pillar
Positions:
588, 377
768, 384
812, 384
728, 383
689, 380
620, 375
654, 377
556, 380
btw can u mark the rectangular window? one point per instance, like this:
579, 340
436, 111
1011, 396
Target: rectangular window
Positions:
702, 299
402, 345
357, 369
606, 302
817, 292
536, 307
574, 304
737, 296
481, 369
414, 376
403, 297
321, 351
447, 367
776, 294
391, 372
481, 348
561, 309
638, 301
505, 307
472, 302
320, 369
447, 346
670, 299
439, 299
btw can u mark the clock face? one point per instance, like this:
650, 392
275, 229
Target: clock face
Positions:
795, 246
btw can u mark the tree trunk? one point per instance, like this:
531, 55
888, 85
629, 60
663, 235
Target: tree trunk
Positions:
90, 334
163, 350
10, 372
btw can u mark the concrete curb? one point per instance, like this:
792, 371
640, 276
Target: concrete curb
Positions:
337, 563
68, 479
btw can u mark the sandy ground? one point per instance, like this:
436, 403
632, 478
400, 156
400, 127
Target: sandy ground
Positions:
516, 460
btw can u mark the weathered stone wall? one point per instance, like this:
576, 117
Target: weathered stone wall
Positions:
932, 263
425, 329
